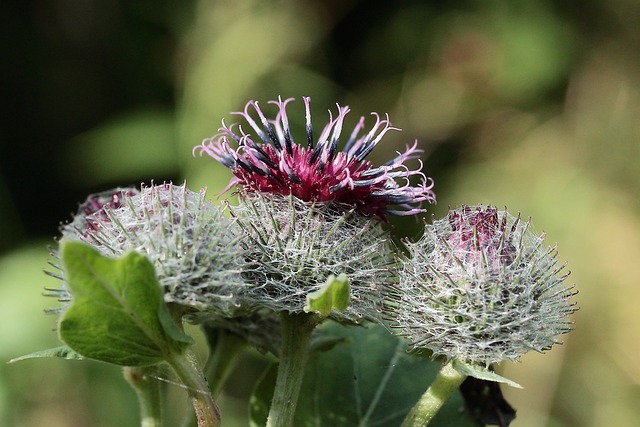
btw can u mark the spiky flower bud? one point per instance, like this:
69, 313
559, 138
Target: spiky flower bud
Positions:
192, 245
480, 286
295, 246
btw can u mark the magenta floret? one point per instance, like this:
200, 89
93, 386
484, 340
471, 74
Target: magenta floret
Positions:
269, 161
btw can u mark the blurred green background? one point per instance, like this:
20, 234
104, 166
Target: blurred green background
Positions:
530, 104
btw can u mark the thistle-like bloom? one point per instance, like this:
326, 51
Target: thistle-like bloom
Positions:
192, 245
480, 286
295, 246
266, 159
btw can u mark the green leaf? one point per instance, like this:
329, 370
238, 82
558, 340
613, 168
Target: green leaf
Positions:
369, 380
117, 314
334, 295
62, 352
481, 373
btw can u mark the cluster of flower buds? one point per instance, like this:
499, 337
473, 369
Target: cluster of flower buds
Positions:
478, 286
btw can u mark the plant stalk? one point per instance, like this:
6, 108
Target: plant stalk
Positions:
147, 388
443, 386
296, 334
187, 369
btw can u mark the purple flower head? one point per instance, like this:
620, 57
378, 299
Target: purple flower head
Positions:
480, 235
269, 161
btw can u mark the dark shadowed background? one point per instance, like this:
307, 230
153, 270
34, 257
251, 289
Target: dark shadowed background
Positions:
533, 105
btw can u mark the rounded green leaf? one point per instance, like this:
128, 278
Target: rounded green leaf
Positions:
117, 314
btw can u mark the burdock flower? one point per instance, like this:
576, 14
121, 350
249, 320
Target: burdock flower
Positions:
192, 245
481, 287
266, 159
314, 210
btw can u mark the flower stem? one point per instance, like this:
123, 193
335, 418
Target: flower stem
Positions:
296, 333
187, 369
445, 383
143, 381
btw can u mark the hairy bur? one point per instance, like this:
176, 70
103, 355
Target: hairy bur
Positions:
295, 246
480, 286
192, 245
